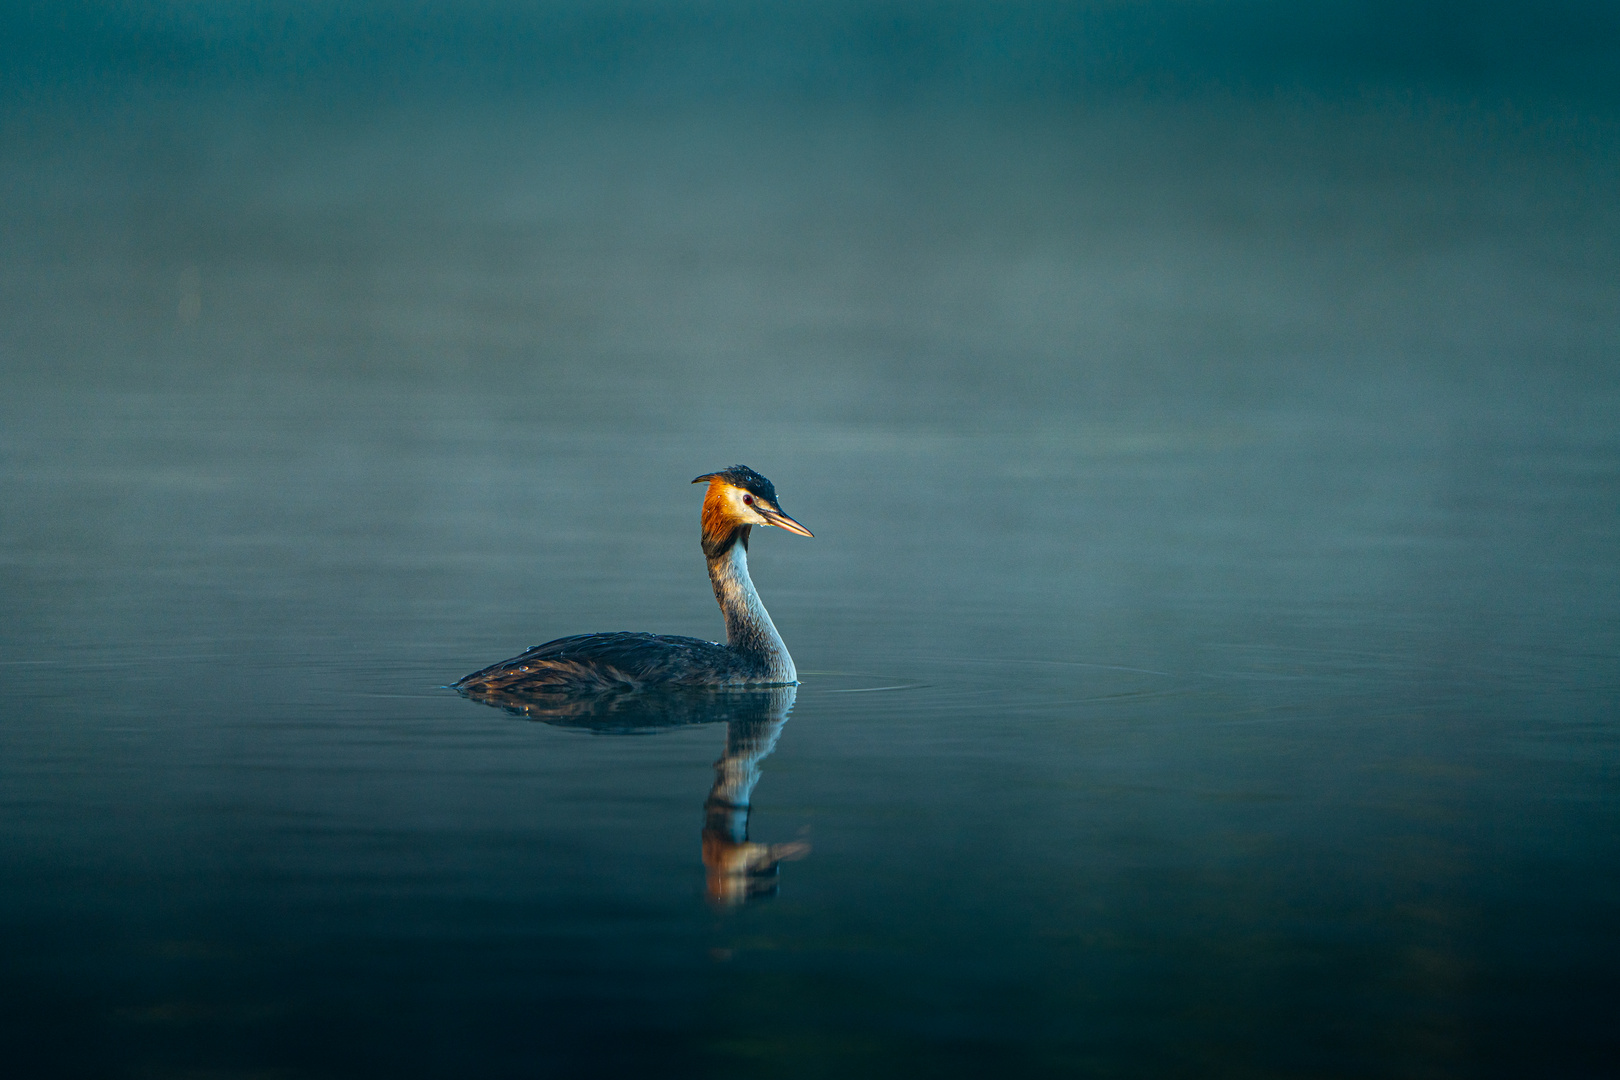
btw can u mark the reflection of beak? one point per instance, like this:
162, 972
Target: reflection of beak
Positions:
740, 871
782, 521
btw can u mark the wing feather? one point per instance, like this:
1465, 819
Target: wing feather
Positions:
599, 662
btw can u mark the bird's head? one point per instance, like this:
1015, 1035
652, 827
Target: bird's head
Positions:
739, 498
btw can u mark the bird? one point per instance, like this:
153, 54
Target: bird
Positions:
736, 500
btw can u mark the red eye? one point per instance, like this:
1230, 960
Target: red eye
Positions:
748, 500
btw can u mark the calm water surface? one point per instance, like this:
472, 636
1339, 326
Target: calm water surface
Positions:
1208, 644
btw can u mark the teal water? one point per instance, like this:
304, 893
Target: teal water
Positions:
1208, 644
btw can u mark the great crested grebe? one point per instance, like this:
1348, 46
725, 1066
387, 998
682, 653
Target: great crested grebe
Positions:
753, 655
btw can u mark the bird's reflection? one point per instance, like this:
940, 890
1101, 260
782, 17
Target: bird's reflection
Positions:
738, 870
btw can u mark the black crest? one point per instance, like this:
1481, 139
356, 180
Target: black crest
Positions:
747, 479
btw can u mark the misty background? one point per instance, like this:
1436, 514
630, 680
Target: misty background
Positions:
816, 235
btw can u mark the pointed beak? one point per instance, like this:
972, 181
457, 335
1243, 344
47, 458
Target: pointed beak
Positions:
782, 521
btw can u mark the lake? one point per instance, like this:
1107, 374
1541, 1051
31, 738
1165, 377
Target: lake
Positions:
1208, 647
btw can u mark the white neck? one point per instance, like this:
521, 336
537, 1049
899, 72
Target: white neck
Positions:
749, 629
